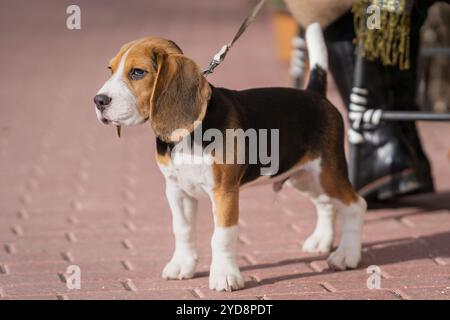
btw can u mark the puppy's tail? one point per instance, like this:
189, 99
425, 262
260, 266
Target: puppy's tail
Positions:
318, 59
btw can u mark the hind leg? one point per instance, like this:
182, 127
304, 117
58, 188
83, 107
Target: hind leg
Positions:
307, 181
331, 192
351, 207
348, 253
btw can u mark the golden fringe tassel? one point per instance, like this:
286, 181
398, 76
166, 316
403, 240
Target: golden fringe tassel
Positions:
390, 43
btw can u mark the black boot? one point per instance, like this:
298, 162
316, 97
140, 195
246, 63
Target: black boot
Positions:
391, 157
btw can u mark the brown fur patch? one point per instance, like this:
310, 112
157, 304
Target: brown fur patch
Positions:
226, 194
179, 97
337, 186
308, 157
334, 176
227, 208
163, 159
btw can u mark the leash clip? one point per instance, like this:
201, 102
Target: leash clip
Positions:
220, 56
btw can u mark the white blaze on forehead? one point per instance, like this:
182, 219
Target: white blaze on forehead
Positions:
116, 78
123, 109
119, 72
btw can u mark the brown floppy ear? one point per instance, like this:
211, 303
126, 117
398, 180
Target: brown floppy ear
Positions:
180, 96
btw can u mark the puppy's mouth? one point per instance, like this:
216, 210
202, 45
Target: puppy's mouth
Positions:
105, 121
101, 118
117, 124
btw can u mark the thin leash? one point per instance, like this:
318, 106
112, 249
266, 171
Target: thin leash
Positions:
220, 56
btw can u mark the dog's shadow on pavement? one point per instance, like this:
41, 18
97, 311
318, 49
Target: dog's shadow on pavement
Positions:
374, 253
272, 280
381, 252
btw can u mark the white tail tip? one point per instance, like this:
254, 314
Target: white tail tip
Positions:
317, 49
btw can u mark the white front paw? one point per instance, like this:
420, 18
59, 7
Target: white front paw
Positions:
225, 276
181, 266
345, 257
318, 243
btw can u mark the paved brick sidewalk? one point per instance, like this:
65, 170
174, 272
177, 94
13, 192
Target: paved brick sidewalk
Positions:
72, 194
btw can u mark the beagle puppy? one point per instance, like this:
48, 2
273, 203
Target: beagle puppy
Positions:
153, 81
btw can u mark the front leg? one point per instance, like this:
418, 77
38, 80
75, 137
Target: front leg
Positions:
224, 272
184, 210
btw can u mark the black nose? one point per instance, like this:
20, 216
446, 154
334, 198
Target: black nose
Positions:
101, 101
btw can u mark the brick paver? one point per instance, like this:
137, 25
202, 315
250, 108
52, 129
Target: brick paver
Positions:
72, 194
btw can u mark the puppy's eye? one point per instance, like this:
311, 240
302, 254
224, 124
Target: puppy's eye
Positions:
137, 74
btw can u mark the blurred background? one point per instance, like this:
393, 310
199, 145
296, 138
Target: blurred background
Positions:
72, 193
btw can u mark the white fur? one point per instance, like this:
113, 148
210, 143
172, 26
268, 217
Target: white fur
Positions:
224, 273
308, 181
193, 175
317, 49
321, 239
184, 210
348, 253
187, 181
122, 109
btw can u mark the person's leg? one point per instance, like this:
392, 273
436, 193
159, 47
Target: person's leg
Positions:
394, 162
404, 95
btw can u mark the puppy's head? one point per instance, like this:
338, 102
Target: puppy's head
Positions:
152, 79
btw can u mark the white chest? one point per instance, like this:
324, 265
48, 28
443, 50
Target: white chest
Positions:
191, 173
